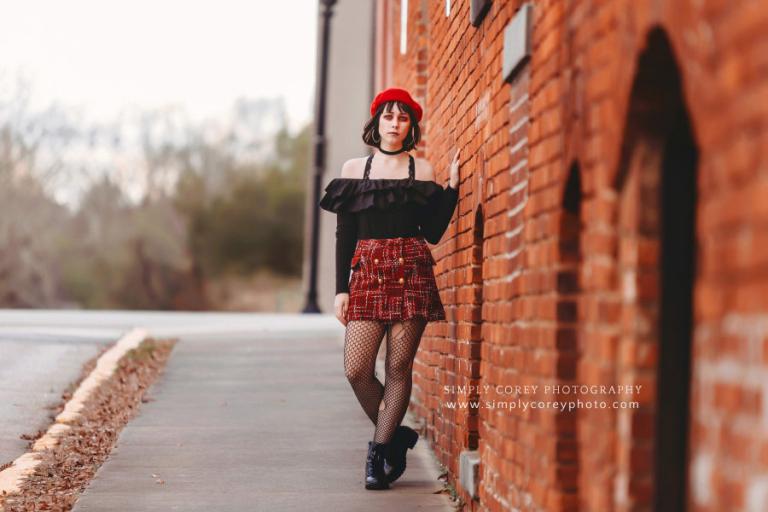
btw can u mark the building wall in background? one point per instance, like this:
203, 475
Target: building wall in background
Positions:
350, 90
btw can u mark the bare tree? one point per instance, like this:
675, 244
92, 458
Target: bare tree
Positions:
28, 217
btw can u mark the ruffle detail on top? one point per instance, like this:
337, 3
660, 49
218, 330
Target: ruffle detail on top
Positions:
354, 194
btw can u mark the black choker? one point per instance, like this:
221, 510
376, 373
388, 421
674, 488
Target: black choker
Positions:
392, 152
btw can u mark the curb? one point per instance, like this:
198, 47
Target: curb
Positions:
12, 477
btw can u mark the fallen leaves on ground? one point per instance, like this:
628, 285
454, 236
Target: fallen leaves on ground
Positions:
67, 468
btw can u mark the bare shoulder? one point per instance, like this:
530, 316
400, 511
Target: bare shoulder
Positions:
353, 168
424, 170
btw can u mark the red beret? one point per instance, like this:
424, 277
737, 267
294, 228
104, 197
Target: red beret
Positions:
395, 94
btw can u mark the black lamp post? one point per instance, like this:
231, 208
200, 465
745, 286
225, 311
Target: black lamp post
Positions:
319, 164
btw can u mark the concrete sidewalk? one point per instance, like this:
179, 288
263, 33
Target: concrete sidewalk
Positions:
252, 422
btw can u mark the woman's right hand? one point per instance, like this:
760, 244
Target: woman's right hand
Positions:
340, 304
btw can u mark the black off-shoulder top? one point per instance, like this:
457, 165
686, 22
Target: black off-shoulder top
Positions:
385, 208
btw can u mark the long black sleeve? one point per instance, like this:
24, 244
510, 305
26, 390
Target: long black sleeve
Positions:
437, 214
346, 241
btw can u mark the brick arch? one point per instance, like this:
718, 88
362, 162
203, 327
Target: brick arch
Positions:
569, 289
655, 98
474, 350
655, 184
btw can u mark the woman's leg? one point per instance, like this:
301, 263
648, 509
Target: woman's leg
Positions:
361, 344
402, 343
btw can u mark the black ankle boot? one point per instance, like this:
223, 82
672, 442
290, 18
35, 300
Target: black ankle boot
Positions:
374, 466
394, 463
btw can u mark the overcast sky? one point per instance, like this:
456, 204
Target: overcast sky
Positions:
201, 54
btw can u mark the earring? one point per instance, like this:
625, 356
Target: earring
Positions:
373, 136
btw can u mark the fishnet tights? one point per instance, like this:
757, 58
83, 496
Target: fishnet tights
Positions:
385, 405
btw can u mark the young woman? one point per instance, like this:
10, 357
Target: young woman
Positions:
388, 207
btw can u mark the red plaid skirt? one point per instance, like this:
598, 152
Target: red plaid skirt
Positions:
392, 279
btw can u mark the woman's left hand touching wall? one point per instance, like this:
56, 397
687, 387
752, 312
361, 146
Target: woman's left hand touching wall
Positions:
453, 181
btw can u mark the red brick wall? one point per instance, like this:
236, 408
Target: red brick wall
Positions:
553, 270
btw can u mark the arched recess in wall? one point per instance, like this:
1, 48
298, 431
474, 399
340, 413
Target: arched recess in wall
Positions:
656, 183
473, 416
568, 292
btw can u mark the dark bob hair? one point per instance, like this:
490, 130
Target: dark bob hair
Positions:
371, 130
